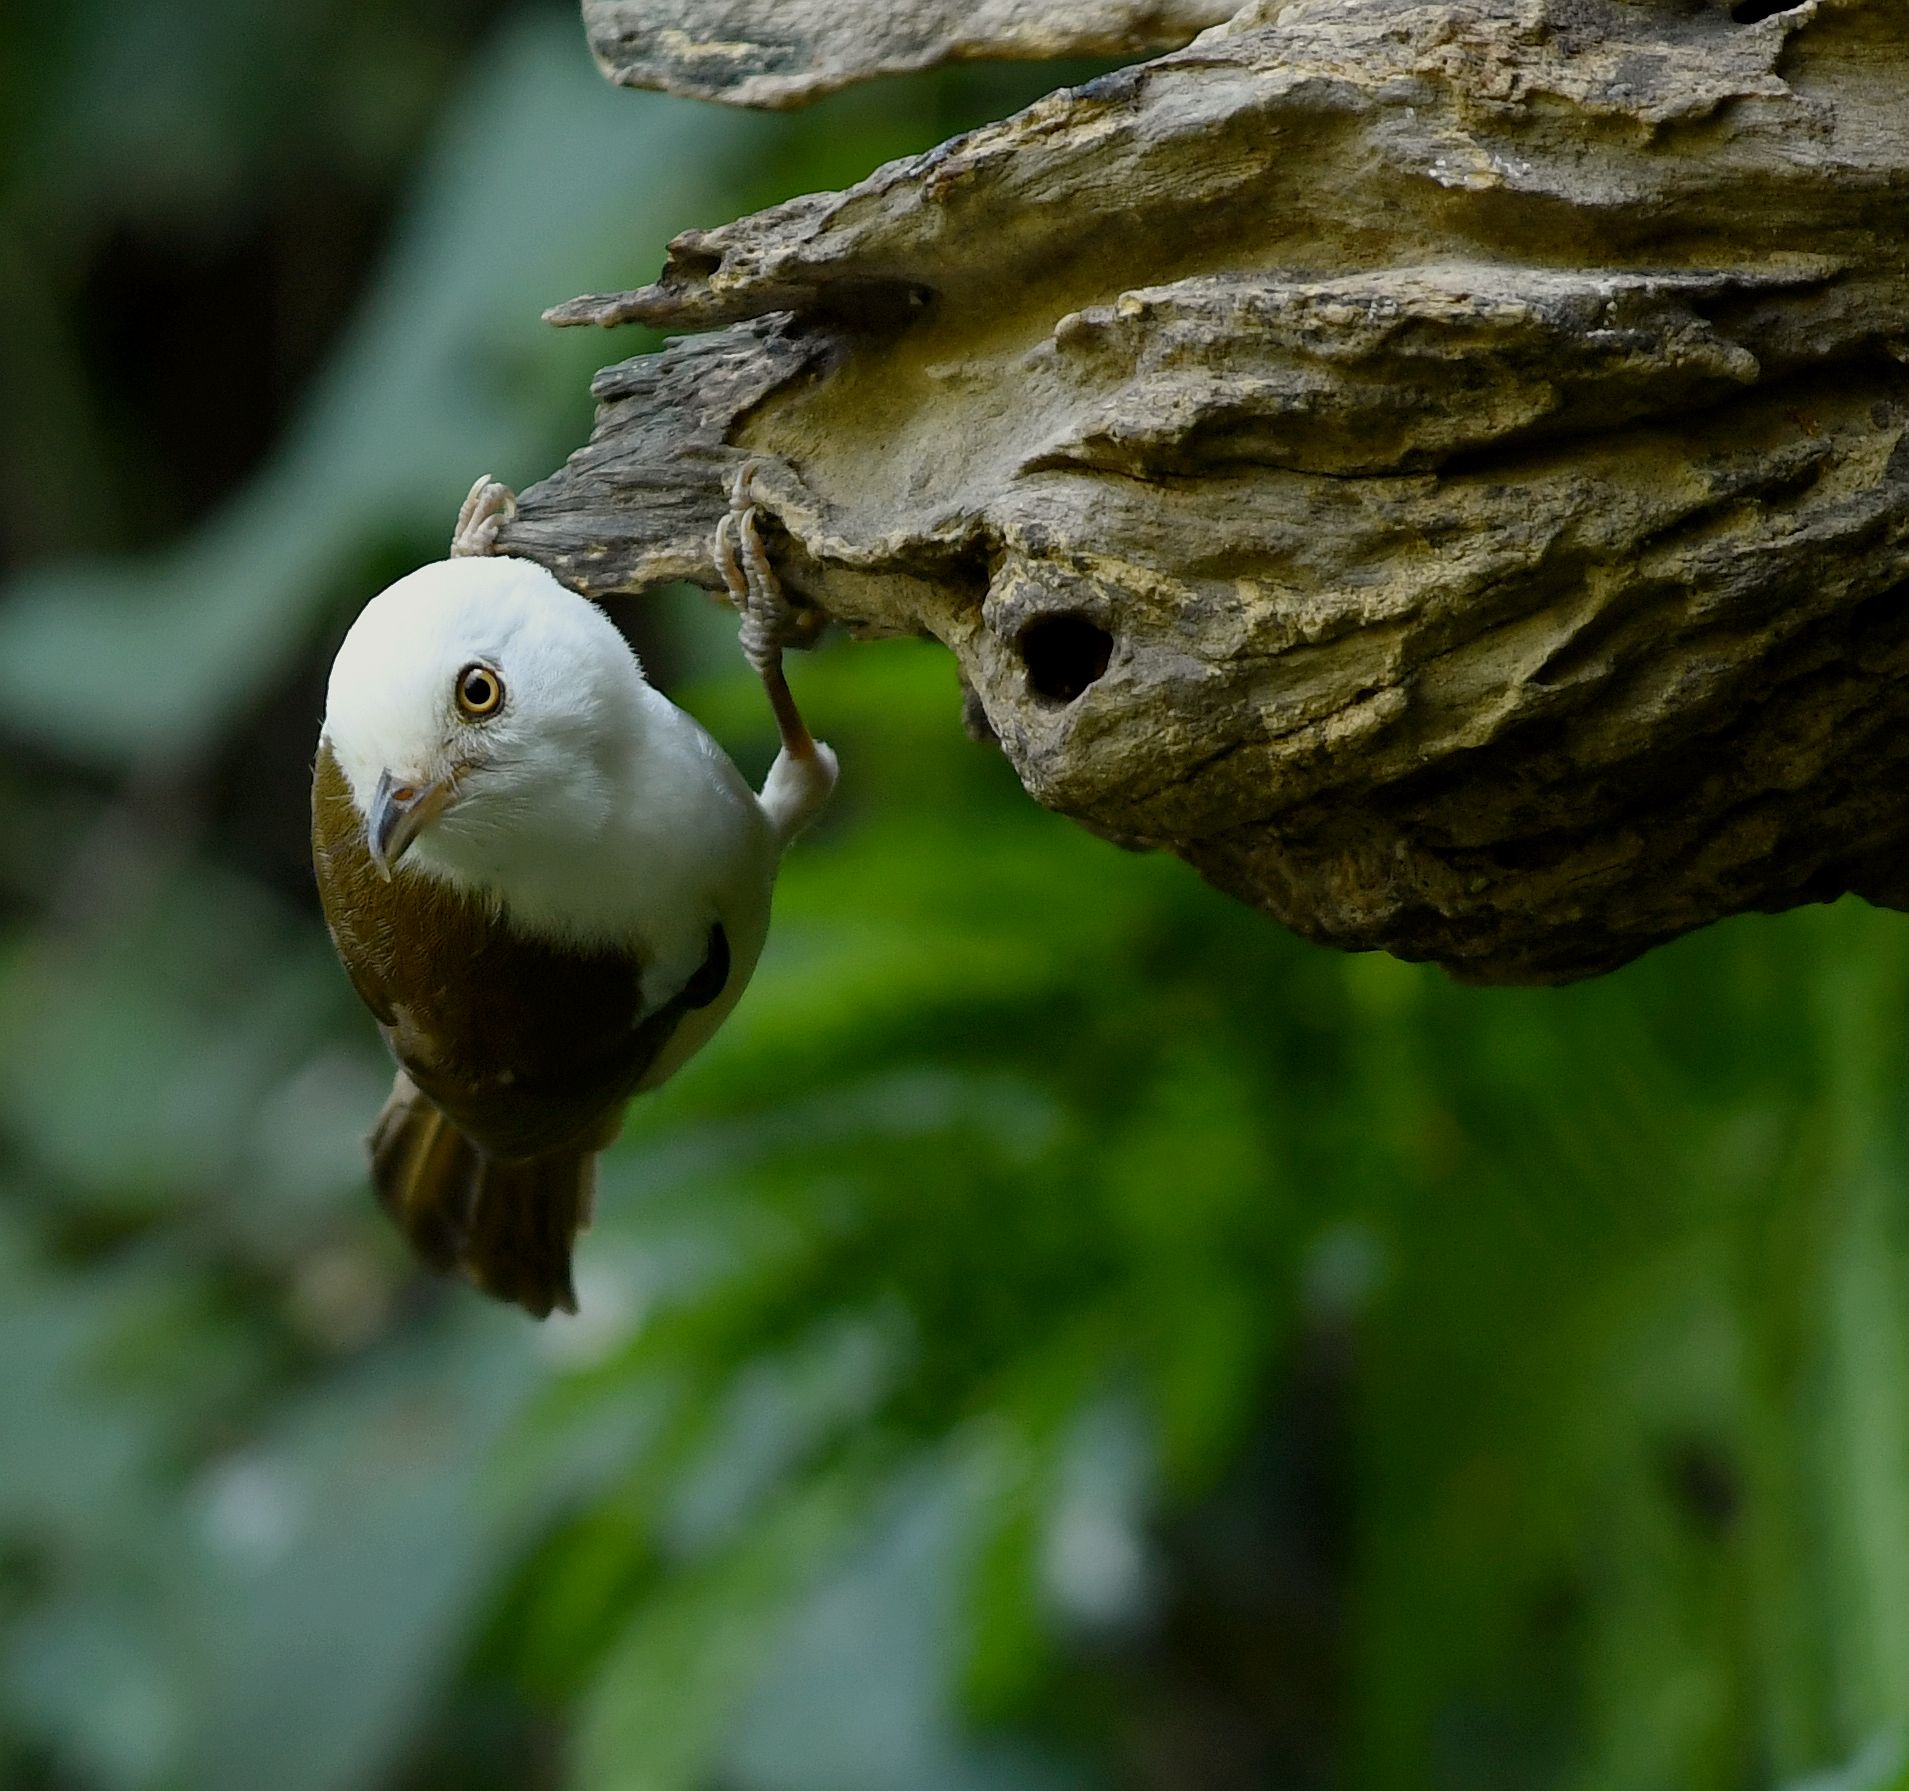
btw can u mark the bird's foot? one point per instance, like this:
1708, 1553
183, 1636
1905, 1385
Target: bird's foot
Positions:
770, 622
489, 506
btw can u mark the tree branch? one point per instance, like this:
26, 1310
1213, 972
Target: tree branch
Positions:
1441, 470
777, 53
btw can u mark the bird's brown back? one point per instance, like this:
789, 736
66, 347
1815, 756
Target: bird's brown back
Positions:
526, 1045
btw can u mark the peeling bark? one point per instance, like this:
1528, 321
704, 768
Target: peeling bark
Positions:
1443, 470
776, 53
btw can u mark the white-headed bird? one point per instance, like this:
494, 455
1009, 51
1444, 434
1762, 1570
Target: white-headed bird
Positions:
547, 882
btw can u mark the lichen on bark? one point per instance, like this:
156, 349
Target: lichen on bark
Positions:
1442, 470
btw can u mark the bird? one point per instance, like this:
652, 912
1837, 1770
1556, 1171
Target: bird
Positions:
546, 881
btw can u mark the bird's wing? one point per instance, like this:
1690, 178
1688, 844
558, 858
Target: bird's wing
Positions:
344, 871
509, 1223
518, 1057
526, 1043
554, 1073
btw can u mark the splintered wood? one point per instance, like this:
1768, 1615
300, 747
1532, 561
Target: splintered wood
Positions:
1442, 470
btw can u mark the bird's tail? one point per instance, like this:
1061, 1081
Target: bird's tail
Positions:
509, 1226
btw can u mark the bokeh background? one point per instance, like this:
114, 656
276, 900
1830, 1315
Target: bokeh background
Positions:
1065, 1335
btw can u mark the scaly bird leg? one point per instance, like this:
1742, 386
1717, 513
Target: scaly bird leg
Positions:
804, 772
757, 593
489, 506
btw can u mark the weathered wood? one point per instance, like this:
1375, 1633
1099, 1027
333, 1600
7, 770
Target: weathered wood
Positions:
777, 53
1443, 470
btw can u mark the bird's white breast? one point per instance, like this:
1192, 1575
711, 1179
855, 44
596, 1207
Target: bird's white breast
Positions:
588, 808
646, 851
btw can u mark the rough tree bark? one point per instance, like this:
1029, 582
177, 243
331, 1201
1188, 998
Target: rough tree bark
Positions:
1441, 469
784, 52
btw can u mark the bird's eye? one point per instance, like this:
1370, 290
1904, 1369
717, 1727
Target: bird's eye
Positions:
480, 691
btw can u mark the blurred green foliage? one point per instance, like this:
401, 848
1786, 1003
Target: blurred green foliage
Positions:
1064, 1333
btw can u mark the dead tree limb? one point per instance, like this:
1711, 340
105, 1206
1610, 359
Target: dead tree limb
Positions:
777, 53
1441, 469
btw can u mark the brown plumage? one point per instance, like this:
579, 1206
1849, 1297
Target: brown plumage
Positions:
517, 1057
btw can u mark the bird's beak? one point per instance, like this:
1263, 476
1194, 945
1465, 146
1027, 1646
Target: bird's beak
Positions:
401, 809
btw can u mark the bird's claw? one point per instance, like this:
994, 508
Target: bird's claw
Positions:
769, 621
489, 506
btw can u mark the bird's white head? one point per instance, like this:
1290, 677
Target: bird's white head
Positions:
481, 714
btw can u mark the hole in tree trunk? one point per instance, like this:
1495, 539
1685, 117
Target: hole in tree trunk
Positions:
1748, 12
1064, 654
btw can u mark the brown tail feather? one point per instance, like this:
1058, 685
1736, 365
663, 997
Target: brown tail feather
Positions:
509, 1226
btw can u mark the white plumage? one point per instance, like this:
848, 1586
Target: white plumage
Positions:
547, 884
589, 809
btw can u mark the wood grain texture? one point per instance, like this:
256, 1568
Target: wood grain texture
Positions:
781, 53
1443, 470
